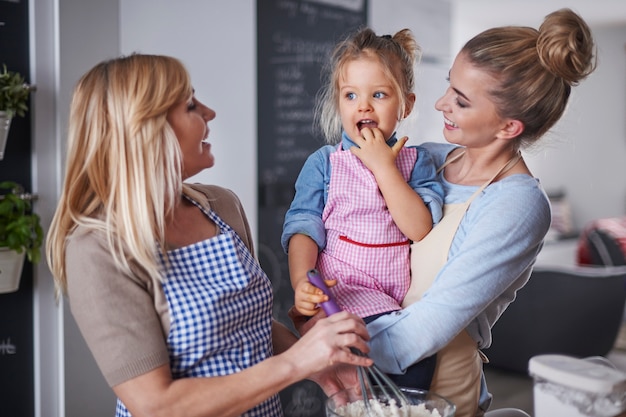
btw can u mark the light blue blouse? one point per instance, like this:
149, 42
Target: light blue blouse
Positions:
491, 257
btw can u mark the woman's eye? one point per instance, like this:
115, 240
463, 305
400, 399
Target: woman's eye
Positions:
191, 105
461, 104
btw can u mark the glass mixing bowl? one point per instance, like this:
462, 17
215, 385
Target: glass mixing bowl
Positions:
349, 403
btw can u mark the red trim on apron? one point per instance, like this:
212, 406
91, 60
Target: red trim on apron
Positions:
374, 245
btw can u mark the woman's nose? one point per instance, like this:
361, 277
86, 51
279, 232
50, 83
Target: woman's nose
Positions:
442, 104
209, 113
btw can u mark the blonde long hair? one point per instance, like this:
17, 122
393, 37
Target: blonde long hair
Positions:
123, 173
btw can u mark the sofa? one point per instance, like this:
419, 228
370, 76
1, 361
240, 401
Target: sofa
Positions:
571, 310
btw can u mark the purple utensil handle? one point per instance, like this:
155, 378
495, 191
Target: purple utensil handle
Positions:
330, 306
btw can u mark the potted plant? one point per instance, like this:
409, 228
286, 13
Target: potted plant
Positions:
21, 235
14, 94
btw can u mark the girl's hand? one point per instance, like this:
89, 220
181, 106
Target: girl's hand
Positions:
308, 297
373, 150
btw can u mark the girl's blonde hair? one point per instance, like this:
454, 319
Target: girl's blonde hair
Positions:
123, 173
398, 55
535, 69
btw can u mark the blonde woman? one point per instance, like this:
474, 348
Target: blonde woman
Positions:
161, 275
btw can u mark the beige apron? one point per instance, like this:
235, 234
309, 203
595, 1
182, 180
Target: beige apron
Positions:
459, 364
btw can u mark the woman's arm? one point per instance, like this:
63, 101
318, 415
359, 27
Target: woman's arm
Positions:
406, 207
155, 393
490, 259
118, 318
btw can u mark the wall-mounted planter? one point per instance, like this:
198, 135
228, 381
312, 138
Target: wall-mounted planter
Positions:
14, 95
5, 125
21, 234
11, 264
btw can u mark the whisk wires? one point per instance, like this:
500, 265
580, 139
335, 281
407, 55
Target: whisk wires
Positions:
370, 379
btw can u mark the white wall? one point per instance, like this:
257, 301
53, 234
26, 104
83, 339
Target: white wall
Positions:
47, 316
67, 38
430, 23
216, 40
585, 154
88, 34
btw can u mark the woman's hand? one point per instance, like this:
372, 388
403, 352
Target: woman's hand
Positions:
374, 152
328, 343
337, 378
304, 323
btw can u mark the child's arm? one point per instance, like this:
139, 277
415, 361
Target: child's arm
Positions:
302, 257
303, 230
406, 207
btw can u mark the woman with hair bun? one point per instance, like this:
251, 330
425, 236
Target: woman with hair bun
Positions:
508, 86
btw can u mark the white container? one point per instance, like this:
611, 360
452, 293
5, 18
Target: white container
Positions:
570, 387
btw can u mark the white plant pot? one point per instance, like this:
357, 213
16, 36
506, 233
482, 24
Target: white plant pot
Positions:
5, 125
11, 264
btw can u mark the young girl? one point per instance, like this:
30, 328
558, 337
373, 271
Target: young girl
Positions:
351, 225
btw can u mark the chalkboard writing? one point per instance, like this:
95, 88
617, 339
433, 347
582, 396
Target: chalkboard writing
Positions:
294, 39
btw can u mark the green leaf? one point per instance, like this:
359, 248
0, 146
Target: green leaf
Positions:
14, 93
20, 228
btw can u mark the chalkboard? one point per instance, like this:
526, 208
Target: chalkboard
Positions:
294, 39
16, 308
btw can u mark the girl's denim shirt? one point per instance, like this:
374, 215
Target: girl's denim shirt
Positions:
305, 213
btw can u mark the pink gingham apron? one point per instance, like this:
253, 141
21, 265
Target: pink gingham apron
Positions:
365, 251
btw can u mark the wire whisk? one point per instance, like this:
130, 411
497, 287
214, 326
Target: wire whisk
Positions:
377, 389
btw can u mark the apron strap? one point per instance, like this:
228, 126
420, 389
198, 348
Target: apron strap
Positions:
429, 263
510, 164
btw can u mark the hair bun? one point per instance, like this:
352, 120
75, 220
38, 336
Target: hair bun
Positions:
565, 46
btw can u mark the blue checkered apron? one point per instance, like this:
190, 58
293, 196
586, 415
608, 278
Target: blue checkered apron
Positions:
220, 307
